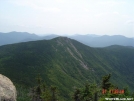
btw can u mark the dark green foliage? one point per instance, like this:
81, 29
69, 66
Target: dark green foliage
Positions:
96, 96
87, 93
105, 82
76, 95
43, 93
126, 92
22, 93
114, 92
53, 90
133, 95
90, 92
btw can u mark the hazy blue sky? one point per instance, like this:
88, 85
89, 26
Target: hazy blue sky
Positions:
68, 16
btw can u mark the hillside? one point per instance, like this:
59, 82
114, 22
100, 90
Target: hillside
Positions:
66, 63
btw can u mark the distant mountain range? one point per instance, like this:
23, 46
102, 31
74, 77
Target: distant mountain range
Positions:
90, 40
66, 63
17, 37
105, 40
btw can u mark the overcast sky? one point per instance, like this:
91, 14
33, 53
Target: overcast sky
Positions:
69, 17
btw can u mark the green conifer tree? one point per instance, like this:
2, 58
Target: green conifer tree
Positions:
105, 82
54, 95
76, 95
87, 93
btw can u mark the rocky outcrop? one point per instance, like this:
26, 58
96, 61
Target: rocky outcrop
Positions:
7, 89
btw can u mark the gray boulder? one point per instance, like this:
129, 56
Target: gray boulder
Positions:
7, 89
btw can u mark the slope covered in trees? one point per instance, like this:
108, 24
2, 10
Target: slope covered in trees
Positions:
66, 63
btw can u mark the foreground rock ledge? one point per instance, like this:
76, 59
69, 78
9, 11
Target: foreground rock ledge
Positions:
7, 89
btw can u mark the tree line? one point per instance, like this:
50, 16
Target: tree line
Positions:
89, 92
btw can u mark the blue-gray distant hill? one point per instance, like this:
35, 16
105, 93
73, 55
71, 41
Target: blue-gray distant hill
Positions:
17, 37
90, 39
103, 41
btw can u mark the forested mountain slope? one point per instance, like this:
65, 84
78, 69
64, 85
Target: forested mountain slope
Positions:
66, 63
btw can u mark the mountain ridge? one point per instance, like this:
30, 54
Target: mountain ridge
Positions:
89, 39
66, 63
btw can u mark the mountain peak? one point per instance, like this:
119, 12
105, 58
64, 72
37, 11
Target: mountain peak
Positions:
63, 39
70, 48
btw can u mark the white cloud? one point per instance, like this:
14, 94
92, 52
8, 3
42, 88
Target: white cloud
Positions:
116, 13
130, 22
85, 9
54, 10
60, 1
111, 2
37, 5
99, 15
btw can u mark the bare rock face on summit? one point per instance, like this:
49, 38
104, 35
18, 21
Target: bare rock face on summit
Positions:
7, 89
